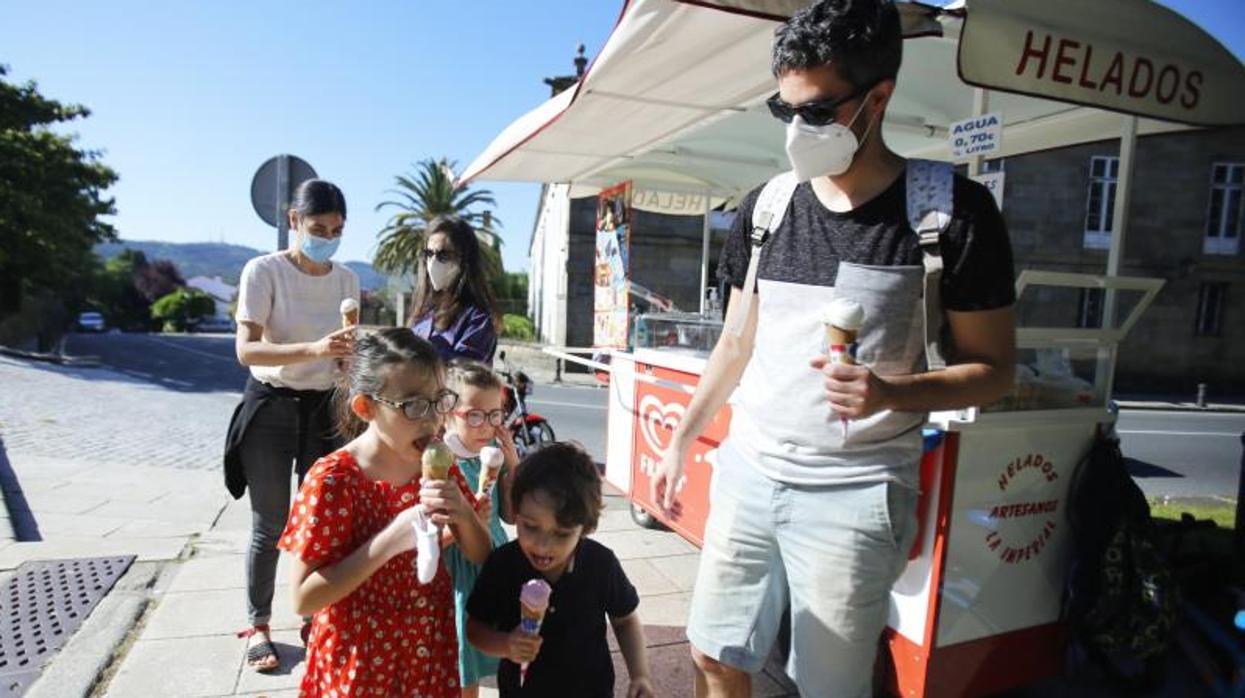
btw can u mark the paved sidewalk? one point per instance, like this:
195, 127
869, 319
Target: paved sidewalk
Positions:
105, 464
186, 646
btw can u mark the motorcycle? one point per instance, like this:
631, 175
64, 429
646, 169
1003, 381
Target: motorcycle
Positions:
528, 428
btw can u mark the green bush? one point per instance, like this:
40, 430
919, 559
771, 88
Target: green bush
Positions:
517, 327
176, 310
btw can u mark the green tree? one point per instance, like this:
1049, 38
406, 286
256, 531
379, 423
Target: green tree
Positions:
116, 293
511, 292
51, 201
426, 193
179, 309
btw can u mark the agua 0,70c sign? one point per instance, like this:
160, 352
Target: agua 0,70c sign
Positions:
978, 135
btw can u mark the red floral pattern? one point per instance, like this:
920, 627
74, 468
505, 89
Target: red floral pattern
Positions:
392, 636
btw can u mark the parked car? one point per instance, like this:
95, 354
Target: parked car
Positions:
91, 321
214, 324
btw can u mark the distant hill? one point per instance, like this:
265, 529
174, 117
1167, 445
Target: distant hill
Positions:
369, 278
216, 259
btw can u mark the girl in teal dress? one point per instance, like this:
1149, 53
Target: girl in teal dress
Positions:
476, 422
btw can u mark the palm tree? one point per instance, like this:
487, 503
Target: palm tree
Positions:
426, 193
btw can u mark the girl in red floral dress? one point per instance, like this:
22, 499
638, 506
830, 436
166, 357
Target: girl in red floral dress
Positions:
376, 630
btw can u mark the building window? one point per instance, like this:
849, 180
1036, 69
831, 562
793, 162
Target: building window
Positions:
1089, 311
1223, 216
1100, 202
1211, 299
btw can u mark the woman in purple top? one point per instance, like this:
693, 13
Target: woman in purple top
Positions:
453, 305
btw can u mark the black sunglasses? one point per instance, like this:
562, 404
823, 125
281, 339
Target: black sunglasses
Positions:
441, 255
421, 407
817, 113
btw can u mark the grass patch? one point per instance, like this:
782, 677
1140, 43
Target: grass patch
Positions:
1222, 512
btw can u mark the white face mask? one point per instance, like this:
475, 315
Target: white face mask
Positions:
441, 274
817, 151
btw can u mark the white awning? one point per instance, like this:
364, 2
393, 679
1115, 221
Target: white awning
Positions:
675, 100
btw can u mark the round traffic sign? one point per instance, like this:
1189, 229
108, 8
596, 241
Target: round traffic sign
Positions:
270, 190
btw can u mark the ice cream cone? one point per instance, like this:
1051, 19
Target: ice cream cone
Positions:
840, 343
532, 618
437, 460
350, 312
491, 460
843, 320
533, 602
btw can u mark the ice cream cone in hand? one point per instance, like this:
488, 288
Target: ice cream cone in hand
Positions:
533, 602
350, 312
843, 321
491, 459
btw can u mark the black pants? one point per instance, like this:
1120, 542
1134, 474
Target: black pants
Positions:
269, 452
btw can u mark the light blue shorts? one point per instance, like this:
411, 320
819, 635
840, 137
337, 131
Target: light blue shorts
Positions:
832, 552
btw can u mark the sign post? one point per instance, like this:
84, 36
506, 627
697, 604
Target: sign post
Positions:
271, 188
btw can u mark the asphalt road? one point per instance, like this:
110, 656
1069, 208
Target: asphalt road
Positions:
1172, 453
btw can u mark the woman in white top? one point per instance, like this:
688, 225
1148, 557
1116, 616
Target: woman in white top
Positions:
291, 336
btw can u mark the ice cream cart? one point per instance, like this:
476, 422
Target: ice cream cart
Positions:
985, 573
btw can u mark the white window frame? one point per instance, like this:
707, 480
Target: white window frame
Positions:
1221, 236
1098, 223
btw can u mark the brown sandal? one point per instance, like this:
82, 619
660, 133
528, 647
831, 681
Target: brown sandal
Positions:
260, 654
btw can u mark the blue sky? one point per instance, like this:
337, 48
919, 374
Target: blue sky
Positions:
188, 98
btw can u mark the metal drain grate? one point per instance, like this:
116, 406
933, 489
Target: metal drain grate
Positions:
40, 608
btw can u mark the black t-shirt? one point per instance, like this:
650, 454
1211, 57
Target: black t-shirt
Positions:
812, 240
574, 657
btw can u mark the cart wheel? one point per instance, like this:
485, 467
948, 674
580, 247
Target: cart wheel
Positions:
643, 519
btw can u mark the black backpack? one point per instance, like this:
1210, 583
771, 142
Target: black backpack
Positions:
1120, 602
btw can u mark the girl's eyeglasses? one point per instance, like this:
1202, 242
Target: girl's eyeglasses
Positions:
441, 255
477, 418
422, 407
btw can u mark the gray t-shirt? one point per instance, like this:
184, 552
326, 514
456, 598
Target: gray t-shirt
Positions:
294, 306
781, 420
812, 240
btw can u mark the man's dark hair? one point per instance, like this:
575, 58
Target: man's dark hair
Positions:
567, 475
861, 38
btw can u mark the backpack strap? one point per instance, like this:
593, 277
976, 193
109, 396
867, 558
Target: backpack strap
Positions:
767, 214
929, 214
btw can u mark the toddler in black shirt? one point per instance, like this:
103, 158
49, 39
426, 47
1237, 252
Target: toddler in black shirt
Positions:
556, 497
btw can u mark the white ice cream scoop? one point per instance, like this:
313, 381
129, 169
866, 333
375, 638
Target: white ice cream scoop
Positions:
491, 457
845, 314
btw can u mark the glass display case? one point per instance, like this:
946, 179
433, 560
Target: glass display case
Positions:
689, 332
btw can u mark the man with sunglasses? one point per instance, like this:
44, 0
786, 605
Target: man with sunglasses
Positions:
814, 491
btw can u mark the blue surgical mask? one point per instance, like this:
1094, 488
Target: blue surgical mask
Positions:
319, 249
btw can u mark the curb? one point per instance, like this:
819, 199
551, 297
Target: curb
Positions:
80, 664
62, 359
1148, 405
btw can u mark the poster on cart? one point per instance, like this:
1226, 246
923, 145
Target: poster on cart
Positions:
610, 269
